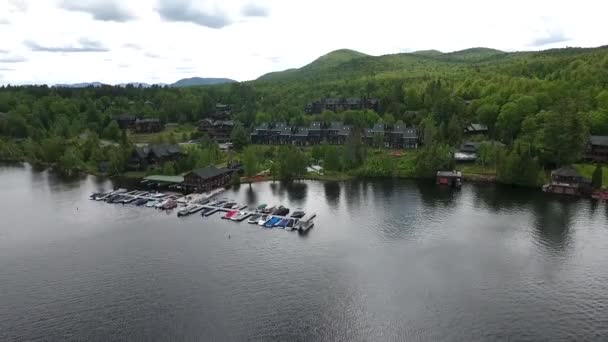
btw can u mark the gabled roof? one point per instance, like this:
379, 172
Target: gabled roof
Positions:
566, 171
210, 172
159, 151
378, 128
353, 100
477, 128
302, 132
262, 127
286, 131
315, 125
345, 131
279, 127
336, 125
147, 121
598, 140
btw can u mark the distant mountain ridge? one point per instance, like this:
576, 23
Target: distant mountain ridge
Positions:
186, 82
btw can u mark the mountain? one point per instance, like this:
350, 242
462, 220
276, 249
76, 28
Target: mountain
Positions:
428, 53
473, 54
199, 81
80, 85
134, 84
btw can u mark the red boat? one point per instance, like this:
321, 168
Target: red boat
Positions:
600, 195
230, 214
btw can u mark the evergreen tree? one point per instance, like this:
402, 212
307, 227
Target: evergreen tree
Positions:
239, 137
598, 177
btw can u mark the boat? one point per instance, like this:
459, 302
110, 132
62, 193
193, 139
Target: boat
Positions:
261, 207
129, 199
229, 205
305, 223
254, 218
184, 211
291, 224
281, 211
268, 210
272, 221
241, 216
298, 213
169, 204
263, 220
103, 196
282, 224
94, 196
139, 202
151, 203
230, 214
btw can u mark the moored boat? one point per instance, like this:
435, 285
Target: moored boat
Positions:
140, 201
281, 211
272, 221
263, 220
305, 223
291, 224
282, 224
169, 204
298, 213
254, 219
230, 214
151, 203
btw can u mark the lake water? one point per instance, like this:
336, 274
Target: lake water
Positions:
386, 260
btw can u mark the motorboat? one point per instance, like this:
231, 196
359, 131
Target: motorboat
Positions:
151, 203
263, 220
282, 224
195, 209
103, 196
241, 216
254, 218
169, 204
281, 211
139, 202
298, 213
305, 223
261, 207
272, 221
229, 205
129, 199
184, 211
268, 210
230, 214
291, 224
95, 195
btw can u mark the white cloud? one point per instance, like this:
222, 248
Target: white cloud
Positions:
218, 38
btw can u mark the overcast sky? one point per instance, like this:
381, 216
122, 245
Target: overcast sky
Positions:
161, 41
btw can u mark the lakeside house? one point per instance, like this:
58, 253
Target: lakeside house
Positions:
568, 181
153, 155
467, 152
336, 133
597, 149
148, 126
341, 104
218, 130
207, 179
449, 178
475, 128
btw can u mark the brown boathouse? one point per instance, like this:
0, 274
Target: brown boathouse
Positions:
207, 179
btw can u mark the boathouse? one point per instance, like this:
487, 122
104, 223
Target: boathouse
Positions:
207, 179
449, 178
568, 181
597, 149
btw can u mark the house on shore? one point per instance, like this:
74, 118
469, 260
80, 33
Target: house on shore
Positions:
153, 155
207, 179
467, 152
403, 137
148, 126
218, 130
568, 181
337, 132
597, 149
375, 134
475, 129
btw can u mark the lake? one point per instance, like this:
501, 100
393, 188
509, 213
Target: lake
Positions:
386, 260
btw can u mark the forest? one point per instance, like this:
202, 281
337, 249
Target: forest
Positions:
541, 106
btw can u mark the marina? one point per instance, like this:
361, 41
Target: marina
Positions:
206, 204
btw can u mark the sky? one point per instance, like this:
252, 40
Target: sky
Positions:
162, 41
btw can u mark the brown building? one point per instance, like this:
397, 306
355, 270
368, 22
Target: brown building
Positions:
218, 130
154, 155
207, 179
568, 181
597, 149
148, 126
125, 121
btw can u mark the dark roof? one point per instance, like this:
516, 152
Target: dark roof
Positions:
315, 125
470, 147
124, 117
301, 132
147, 121
262, 127
378, 128
278, 127
599, 140
353, 100
210, 172
336, 125
345, 130
566, 171
477, 128
286, 131
160, 151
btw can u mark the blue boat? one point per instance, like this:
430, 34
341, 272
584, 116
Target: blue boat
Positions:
140, 202
282, 224
270, 223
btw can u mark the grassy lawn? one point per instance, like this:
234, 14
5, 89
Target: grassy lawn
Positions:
586, 170
476, 169
165, 135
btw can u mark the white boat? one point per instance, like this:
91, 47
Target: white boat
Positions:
254, 219
305, 223
241, 216
184, 211
263, 220
120, 191
151, 203
161, 203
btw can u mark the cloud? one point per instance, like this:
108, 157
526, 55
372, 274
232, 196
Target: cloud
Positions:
132, 46
7, 69
556, 36
4, 21
108, 10
13, 59
151, 55
84, 45
17, 5
3, 51
254, 10
275, 59
185, 11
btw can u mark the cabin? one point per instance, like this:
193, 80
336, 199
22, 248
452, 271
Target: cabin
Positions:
467, 152
315, 133
286, 138
568, 181
375, 134
402, 137
260, 134
341, 104
300, 137
597, 149
153, 155
274, 133
449, 178
148, 126
218, 130
207, 179
475, 129
125, 121
337, 133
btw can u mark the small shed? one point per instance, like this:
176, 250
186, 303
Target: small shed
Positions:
449, 178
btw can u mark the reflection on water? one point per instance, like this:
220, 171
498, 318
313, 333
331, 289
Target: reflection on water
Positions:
386, 260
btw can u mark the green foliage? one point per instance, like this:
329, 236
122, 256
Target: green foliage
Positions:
112, 131
354, 150
250, 162
564, 138
519, 168
239, 137
290, 163
169, 168
331, 159
71, 160
433, 158
598, 177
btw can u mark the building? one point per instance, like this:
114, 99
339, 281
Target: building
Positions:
125, 121
341, 104
449, 178
337, 133
376, 134
597, 149
218, 130
148, 126
285, 138
207, 179
474, 129
403, 137
153, 155
315, 133
301, 136
568, 181
260, 134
